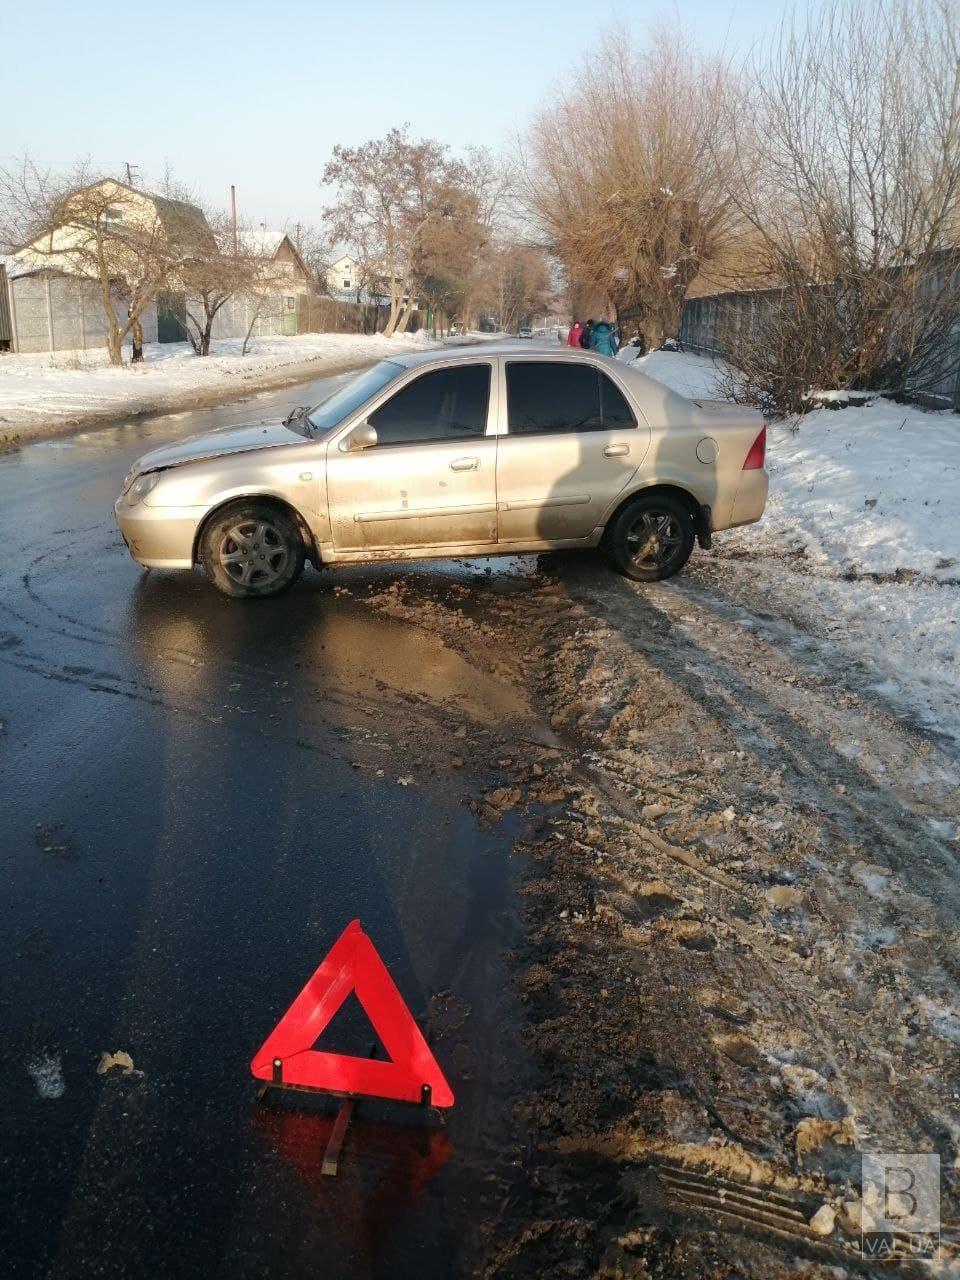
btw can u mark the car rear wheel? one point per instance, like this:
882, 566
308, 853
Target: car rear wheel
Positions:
252, 549
652, 538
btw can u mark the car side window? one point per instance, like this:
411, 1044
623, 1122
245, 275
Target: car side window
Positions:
448, 404
550, 396
614, 410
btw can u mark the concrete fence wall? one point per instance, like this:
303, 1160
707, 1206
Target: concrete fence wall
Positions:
235, 316
50, 312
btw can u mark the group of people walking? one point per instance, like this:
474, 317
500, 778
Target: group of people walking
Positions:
601, 337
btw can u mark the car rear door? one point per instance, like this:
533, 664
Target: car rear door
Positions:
573, 442
430, 481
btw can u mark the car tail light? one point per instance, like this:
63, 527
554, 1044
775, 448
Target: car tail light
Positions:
758, 452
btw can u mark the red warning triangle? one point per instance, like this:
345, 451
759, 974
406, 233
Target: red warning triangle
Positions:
352, 964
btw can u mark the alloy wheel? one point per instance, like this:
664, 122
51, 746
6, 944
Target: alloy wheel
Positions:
654, 539
254, 553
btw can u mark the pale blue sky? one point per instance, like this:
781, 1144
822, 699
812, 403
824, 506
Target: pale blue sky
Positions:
257, 94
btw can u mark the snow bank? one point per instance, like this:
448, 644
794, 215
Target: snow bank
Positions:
690, 375
860, 540
40, 392
861, 490
869, 490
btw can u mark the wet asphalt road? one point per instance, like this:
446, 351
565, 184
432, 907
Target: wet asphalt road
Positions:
197, 796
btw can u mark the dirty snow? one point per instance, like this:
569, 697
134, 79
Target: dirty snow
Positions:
42, 390
860, 541
46, 1071
739, 914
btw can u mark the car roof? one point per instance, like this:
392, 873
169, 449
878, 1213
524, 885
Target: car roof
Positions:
656, 397
411, 359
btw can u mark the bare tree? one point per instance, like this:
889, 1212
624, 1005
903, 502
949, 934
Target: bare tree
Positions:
373, 198
98, 229
211, 274
314, 247
485, 184
516, 282
622, 175
450, 243
397, 198
850, 185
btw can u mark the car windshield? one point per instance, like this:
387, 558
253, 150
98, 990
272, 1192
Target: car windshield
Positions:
331, 412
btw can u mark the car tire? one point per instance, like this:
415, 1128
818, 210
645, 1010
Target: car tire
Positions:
252, 549
652, 538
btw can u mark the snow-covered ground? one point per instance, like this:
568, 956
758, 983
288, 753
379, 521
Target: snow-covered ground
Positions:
860, 539
38, 393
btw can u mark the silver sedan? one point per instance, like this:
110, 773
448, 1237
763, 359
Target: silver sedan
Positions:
468, 453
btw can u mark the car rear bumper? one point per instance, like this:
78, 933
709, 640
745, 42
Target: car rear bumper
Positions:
751, 497
159, 537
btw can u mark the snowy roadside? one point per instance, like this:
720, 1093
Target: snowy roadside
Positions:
859, 544
49, 394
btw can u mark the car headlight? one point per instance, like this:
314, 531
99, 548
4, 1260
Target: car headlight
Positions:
143, 485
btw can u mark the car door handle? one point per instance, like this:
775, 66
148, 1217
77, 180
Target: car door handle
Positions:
465, 464
616, 450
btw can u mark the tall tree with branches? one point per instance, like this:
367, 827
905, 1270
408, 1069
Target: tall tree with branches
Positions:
850, 185
622, 175
403, 204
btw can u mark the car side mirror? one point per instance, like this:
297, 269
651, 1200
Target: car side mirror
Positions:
364, 437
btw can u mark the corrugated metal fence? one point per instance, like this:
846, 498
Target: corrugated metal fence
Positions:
711, 326
6, 328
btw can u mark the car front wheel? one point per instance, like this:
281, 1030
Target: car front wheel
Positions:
652, 538
252, 549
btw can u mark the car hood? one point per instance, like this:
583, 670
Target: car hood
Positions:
214, 444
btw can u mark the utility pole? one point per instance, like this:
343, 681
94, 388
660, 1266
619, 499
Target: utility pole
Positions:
133, 173
298, 237
233, 216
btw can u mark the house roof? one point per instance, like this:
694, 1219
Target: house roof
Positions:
180, 218
182, 221
17, 266
261, 242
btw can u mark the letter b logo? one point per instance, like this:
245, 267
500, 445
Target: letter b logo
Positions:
898, 1199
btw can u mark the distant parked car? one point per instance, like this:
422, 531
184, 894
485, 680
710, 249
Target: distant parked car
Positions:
472, 453
525, 331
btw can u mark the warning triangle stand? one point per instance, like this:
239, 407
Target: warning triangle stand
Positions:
288, 1059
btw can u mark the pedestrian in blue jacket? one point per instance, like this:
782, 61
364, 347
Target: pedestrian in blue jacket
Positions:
603, 338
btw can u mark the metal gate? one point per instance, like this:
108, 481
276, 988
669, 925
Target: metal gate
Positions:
6, 328
171, 318
288, 316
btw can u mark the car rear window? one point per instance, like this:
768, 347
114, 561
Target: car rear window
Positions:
552, 396
613, 405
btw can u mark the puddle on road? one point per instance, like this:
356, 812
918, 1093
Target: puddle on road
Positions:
188, 637
366, 650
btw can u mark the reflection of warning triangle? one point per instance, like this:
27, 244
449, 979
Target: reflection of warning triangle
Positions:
287, 1055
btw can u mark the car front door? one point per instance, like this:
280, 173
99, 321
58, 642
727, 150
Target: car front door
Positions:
573, 444
429, 481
